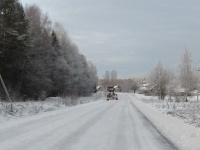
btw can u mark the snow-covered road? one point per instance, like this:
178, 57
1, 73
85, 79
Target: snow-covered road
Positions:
100, 125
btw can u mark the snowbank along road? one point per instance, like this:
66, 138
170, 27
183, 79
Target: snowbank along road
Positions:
101, 125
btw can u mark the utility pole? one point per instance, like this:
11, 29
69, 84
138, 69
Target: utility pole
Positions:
198, 69
5, 89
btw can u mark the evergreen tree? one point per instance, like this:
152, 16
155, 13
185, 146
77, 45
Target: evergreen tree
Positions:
14, 42
55, 43
57, 74
51, 66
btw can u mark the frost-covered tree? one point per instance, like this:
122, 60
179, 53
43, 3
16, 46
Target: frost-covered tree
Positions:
187, 77
173, 85
56, 44
159, 78
37, 80
134, 86
113, 77
109, 78
105, 82
58, 72
40, 60
93, 79
81, 80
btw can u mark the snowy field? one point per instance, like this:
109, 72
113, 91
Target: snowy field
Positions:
188, 111
30, 108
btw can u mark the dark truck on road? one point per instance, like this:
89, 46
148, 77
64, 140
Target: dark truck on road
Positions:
111, 93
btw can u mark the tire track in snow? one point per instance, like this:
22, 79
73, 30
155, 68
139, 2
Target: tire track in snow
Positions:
121, 139
127, 137
26, 127
68, 142
44, 139
104, 134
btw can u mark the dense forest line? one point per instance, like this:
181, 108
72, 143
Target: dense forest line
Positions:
37, 57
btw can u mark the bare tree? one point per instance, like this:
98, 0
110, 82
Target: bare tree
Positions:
134, 86
106, 79
172, 86
127, 85
187, 77
113, 77
159, 78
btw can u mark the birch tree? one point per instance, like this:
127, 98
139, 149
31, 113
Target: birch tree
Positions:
106, 79
159, 78
113, 77
187, 77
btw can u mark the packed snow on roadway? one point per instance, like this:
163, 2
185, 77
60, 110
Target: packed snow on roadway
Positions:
181, 131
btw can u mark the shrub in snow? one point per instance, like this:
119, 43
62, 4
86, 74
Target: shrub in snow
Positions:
189, 111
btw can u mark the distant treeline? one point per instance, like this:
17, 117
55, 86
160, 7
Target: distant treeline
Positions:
38, 60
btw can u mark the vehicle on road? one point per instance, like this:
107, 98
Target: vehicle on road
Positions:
111, 93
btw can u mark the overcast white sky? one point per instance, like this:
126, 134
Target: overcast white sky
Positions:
129, 36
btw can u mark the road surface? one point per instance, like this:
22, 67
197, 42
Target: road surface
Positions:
100, 125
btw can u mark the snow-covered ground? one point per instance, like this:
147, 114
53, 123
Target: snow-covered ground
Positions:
188, 111
129, 123
185, 135
100, 125
30, 108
